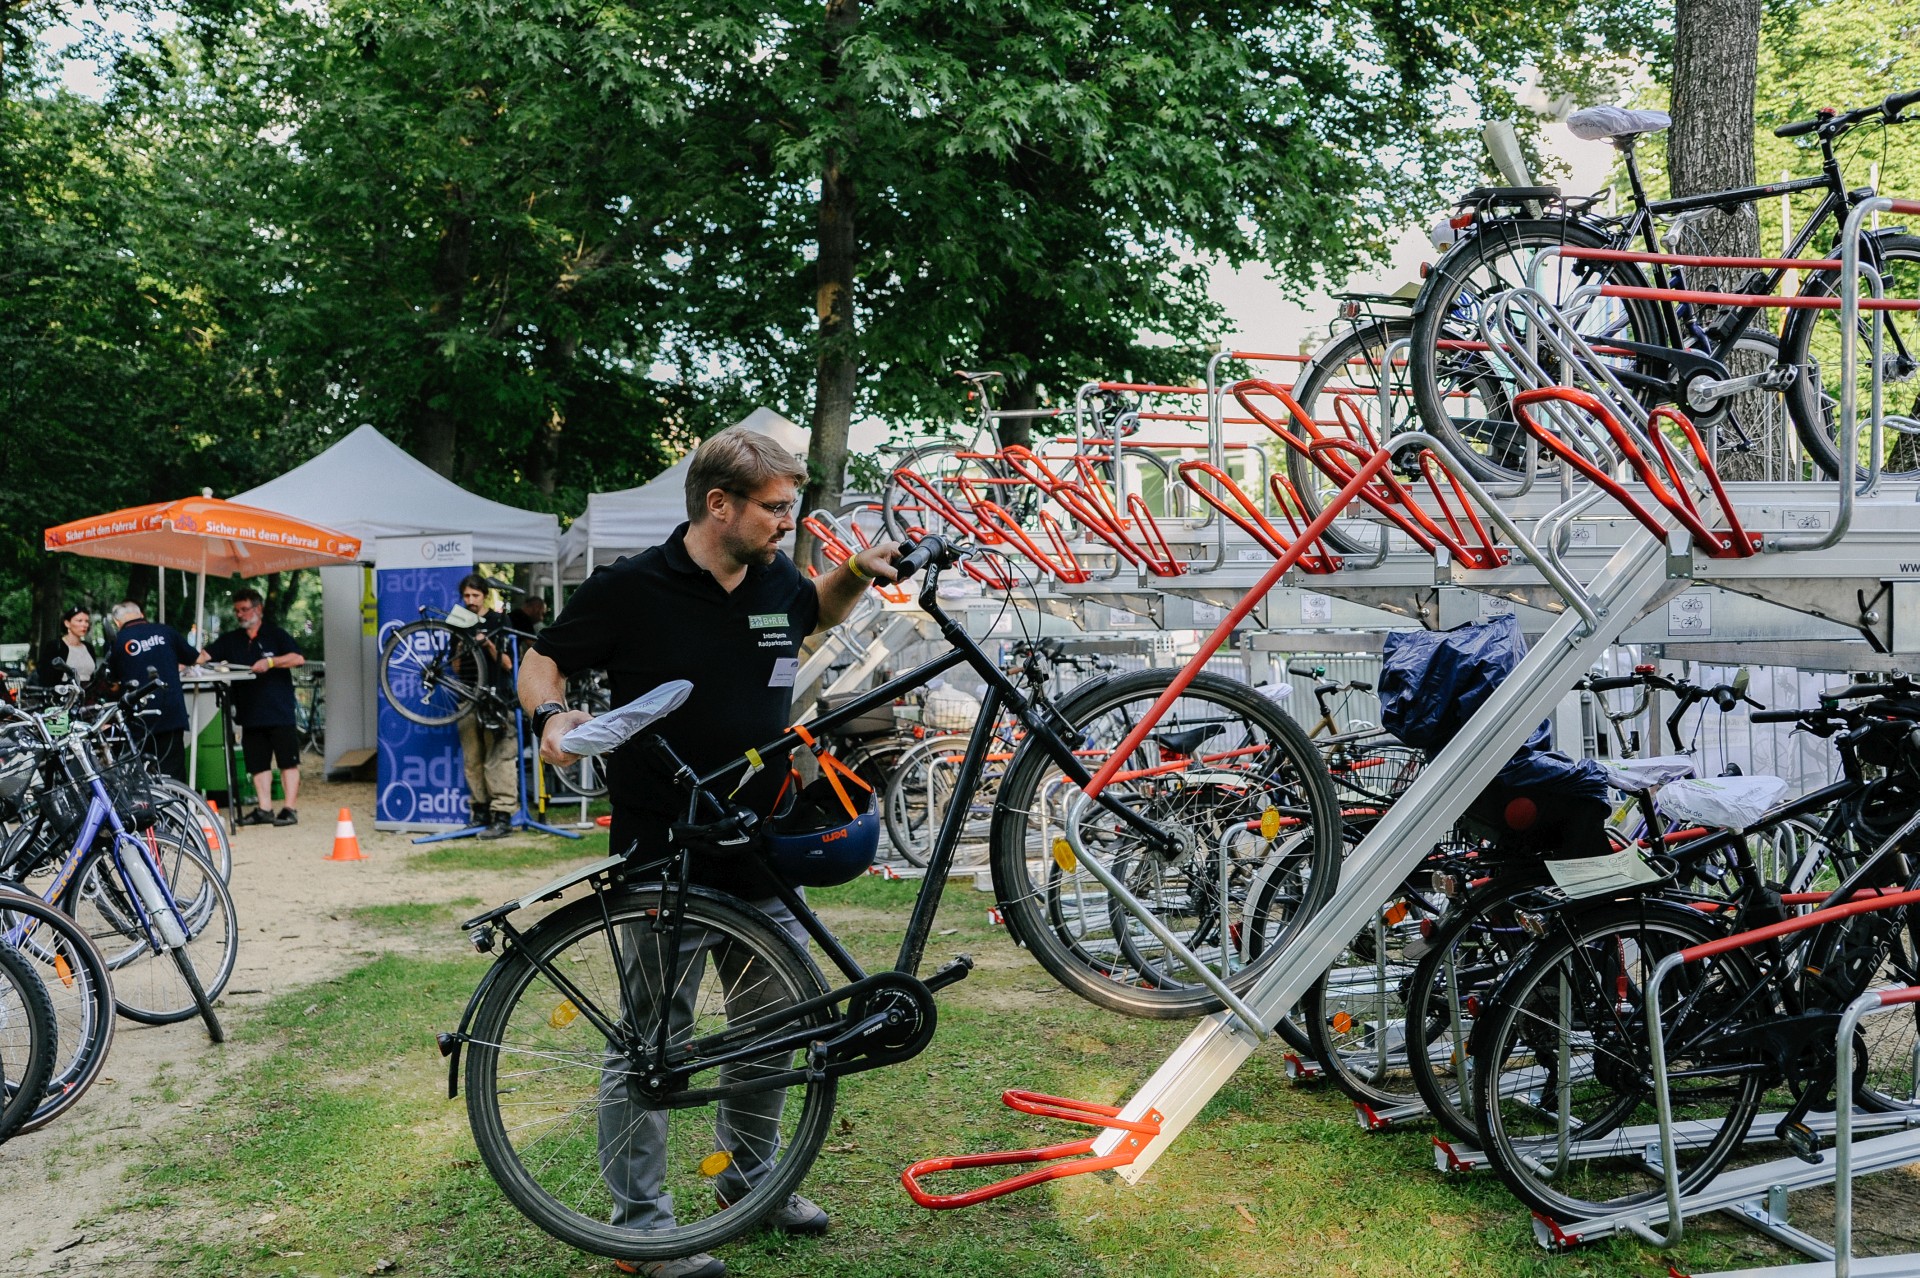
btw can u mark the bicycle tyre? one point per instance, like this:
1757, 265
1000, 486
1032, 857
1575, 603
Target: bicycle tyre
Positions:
1810, 341
1361, 349
419, 672
1273, 766
906, 512
1495, 257
145, 987
190, 977
75, 977
1607, 956
915, 800
29, 1040
207, 832
551, 1170
1470, 949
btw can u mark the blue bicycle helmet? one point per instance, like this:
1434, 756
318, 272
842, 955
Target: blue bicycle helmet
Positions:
812, 842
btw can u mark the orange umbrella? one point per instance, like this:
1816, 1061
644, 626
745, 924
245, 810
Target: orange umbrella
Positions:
205, 535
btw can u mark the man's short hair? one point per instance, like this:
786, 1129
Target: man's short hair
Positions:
126, 610
474, 581
737, 461
247, 594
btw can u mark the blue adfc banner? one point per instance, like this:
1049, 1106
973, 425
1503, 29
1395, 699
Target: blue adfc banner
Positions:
422, 785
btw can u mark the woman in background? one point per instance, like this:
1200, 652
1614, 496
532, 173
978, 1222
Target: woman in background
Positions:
68, 659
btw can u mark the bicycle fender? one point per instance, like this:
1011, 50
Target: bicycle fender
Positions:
450, 1043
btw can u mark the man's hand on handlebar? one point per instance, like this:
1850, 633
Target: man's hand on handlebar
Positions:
876, 561
559, 726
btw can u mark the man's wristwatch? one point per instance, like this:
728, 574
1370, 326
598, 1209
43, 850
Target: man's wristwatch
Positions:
542, 713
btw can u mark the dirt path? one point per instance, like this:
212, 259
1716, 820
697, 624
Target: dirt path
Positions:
60, 1185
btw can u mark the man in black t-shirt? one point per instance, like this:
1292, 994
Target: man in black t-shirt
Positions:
264, 706
718, 605
144, 650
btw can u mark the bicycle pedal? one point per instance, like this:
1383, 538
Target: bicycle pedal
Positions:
950, 972
1802, 1140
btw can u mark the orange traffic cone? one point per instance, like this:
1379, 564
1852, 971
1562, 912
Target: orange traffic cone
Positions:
346, 844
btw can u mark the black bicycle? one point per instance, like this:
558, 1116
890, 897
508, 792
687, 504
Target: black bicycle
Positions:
1663, 352
607, 1008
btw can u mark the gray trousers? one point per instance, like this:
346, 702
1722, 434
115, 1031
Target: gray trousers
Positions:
633, 1140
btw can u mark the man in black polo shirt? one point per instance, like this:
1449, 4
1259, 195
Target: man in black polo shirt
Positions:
720, 606
143, 650
263, 706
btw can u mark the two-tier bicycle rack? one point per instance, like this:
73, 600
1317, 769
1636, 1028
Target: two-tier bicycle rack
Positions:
1597, 568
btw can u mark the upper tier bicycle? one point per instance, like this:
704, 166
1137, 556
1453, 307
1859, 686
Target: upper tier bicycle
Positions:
1663, 351
1218, 791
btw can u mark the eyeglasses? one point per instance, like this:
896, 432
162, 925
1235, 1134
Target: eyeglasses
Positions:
244, 609
778, 509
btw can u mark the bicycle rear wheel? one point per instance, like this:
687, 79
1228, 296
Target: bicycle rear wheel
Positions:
75, 977
1232, 777
28, 1040
1341, 389
430, 672
560, 1048
1811, 342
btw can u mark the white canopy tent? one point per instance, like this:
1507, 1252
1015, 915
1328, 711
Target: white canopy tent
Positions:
630, 520
368, 487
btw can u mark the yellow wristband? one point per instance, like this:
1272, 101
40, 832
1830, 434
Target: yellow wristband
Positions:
853, 566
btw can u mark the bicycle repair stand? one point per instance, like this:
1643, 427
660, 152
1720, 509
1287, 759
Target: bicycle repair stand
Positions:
522, 818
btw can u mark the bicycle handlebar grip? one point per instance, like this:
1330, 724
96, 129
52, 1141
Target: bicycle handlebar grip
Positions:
1783, 716
1358, 686
1898, 102
1799, 128
917, 556
1304, 672
1610, 683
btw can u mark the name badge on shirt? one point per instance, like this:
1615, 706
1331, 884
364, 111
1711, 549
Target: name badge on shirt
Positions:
784, 670
767, 621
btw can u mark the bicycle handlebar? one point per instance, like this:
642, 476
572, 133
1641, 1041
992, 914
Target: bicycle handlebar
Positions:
1830, 123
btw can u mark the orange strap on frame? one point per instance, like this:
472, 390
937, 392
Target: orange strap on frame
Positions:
832, 769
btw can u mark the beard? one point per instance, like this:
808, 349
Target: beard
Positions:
749, 552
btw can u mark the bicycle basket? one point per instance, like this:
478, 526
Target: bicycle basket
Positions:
65, 805
949, 709
132, 792
18, 763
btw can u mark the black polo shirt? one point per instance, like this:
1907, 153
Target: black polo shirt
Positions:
658, 615
266, 700
144, 646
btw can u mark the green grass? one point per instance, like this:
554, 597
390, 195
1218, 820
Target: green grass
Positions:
340, 1150
411, 916
520, 852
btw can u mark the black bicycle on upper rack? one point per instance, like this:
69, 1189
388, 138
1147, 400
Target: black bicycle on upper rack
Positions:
1662, 351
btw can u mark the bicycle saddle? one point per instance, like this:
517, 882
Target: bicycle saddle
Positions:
1599, 123
1189, 741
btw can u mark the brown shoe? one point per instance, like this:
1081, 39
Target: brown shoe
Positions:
696, 1266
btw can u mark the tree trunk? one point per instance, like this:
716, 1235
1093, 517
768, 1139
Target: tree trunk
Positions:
1018, 430
837, 371
434, 428
1716, 54
49, 585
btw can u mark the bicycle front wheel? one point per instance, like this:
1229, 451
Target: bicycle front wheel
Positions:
28, 1040
149, 985
1341, 391
430, 672
565, 1037
75, 977
1811, 344
1232, 778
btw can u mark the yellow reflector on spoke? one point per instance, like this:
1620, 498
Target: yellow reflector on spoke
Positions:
1342, 1022
1063, 854
564, 1015
715, 1163
1270, 823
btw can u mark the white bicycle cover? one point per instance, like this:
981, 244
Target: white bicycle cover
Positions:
1596, 123
1732, 803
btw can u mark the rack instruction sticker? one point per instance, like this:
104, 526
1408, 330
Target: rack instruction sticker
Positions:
1690, 614
1315, 607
